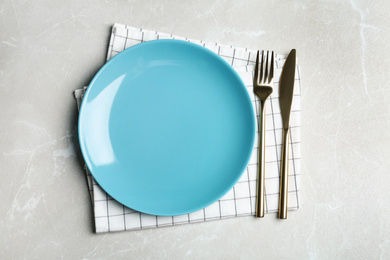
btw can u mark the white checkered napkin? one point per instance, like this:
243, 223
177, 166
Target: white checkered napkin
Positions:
240, 200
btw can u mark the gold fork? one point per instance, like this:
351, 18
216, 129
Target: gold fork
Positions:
262, 87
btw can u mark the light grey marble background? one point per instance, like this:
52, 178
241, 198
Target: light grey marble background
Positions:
48, 48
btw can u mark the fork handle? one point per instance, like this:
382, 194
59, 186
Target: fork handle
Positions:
261, 164
284, 176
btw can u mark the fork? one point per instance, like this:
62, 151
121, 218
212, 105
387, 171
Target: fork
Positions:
262, 87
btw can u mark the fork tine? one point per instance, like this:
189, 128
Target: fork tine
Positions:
256, 76
266, 68
271, 73
261, 67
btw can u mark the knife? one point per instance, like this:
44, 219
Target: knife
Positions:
286, 92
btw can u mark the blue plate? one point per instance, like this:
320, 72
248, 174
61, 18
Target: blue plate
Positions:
166, 127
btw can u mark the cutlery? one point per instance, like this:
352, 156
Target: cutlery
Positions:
262, 87
286, 92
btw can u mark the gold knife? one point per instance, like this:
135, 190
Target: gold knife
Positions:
286, 93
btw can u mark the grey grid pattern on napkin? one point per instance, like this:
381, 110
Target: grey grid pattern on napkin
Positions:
112, 216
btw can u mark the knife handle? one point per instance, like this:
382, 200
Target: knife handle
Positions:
261, 164
284, 176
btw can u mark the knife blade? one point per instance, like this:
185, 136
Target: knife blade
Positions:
286, 93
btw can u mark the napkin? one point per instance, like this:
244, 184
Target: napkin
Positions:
110, 215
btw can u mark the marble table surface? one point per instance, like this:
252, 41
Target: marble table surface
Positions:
50, 48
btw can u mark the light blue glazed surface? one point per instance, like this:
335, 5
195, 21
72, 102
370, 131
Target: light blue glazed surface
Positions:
166, 127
